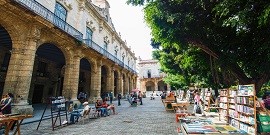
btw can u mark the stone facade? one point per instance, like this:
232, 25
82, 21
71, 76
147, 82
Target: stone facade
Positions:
61, 47
150, 77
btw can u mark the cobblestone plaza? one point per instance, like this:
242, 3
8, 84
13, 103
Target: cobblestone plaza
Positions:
147, 119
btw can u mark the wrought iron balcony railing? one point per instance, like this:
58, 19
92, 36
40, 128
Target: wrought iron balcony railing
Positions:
104, 52
39, 9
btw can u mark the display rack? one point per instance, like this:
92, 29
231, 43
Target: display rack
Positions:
243, 116
58, 109
223, 103
206, 98
231, 104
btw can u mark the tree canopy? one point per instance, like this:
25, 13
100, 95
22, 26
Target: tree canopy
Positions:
233, 33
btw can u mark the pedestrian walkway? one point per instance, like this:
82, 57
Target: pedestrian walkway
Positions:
147, 119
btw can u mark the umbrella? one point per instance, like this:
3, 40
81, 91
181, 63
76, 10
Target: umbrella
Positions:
135, 90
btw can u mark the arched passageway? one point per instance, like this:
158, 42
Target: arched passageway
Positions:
104, 76
150, 86
48, 73
5, 53
162, 86
116, 82
84, 82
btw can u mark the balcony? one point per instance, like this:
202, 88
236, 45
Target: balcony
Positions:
153, 76
98, 48
42, 11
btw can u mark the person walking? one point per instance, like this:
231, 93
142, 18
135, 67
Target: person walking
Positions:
198, 104
119, 96
111, 97
140, 97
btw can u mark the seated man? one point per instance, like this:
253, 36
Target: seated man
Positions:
77, 114
110, 107
99, 107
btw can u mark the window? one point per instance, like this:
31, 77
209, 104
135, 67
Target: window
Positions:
123, 58
105, 46
89, 34
149, 73
115, 53
128, 62
61, 14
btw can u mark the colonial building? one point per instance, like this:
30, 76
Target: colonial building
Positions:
60, 48
150, 76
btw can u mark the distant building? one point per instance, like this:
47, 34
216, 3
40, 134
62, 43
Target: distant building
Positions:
150, 77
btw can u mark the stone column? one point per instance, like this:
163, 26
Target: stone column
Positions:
96, 82
125, 82
20, 69
120, 84
111, 85
71, 79
131, 84
156, 85
135, 82
143, 85
109, 80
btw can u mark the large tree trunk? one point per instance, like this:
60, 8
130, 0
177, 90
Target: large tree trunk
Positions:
234, 68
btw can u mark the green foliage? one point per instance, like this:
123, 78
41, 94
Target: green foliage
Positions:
265, 88
235, 33
138, 2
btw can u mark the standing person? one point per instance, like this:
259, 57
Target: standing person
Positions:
119, 96
6, 109
198, 103
140, 97
111, 97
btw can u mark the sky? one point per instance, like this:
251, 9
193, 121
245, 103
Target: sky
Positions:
129, 21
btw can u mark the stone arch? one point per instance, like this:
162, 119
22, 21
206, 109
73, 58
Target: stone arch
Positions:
48, 73
104, 80
5, 54
12, 31
125, 83
162, 86
85, 76
129, 84
150, 86
116, 82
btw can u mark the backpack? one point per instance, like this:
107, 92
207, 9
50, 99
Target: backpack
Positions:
198, 110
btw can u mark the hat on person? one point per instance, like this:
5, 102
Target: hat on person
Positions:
85, 103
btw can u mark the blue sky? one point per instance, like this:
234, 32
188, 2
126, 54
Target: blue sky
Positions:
128, 20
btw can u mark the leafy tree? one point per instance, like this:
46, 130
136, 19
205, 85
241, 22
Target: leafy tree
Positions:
235, 33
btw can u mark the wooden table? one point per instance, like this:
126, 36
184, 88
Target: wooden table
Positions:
166, 103
10, 120
180, 104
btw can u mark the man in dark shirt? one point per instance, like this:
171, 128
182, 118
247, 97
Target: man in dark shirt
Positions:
119, 97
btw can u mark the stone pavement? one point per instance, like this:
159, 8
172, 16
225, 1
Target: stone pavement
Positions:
147, 119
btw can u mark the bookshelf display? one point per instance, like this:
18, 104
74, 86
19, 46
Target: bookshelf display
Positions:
242, 108
207, 100
223, 103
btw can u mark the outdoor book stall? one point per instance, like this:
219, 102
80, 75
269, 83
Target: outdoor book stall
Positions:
58, 107
195, 126
238, 107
